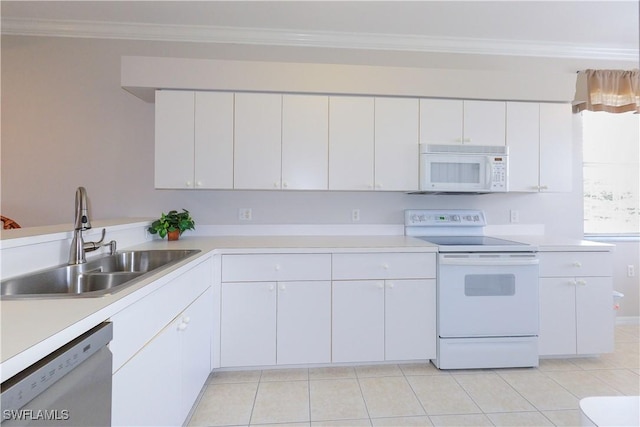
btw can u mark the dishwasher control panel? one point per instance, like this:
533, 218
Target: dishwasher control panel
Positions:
25, 386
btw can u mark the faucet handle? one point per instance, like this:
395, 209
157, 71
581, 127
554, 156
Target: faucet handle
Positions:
92, 246
104, 231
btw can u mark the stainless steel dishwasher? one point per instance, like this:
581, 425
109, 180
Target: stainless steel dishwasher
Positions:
69, 387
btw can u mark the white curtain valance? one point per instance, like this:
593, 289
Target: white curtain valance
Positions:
613, 91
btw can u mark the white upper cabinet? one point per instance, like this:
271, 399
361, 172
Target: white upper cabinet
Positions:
351, 139
174, 139
484, 122
539, 137
305, 142
213, 156
194, 139
396, 144
556, 141
441, 121
447, 121
523, 136
258, 139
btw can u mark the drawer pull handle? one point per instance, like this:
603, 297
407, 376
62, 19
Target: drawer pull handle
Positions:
577, 264
381, 285
277, 267
283, 287
581, 282
391, 285
186, 319
182, 326
385, 266
271, 287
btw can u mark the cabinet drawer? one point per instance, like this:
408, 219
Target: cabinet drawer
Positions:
571, 264
384, 266
275, 267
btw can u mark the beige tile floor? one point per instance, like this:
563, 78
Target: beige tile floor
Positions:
420, 394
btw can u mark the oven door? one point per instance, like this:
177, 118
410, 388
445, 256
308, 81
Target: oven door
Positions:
487, 295
455, 172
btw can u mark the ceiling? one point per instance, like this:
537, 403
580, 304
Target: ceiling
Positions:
579, 29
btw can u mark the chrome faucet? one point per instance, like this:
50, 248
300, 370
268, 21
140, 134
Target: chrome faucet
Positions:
78, 246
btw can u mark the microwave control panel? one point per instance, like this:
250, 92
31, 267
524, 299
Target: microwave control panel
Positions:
498, 174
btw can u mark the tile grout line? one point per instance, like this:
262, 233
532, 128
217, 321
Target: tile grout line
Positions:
255, 397
366, 407
404, 375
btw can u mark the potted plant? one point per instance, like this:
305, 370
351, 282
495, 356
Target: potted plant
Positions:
172, 224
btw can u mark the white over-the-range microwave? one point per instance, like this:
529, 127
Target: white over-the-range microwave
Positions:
464, 168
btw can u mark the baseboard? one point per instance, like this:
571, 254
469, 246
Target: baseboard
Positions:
628, 320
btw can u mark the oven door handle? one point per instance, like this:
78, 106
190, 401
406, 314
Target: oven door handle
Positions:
488, 261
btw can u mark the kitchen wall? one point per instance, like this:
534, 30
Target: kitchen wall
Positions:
67, 122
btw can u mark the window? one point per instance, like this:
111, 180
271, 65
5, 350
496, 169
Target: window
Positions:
611, 154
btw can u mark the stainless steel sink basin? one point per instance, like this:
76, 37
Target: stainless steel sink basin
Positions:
96, 277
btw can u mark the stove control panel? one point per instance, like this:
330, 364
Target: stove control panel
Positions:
429, 217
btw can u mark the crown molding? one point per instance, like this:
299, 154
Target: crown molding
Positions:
323, 39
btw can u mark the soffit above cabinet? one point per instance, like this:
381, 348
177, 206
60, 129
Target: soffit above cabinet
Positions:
143, 75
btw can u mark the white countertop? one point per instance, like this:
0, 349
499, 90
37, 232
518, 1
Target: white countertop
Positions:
32, 328
546, 243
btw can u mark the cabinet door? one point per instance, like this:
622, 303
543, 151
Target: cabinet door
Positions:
144, 390
358, 321
523, 137
396, 144
484, 122
248, 324
213, 153
174, 134
351, 143
410, 319
594, 314
556, 140
441, 121
557, 316
304, 322
196, 331
258, 138
305, 143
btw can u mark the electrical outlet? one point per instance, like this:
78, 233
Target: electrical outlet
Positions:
631, 270
355, 215
514, 216
244, 214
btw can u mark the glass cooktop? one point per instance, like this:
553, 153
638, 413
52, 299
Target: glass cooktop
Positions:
467, 241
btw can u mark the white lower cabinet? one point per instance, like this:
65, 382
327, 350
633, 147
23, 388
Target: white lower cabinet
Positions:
195, 330
275, 309
159, 385
358, 321
576, 303
162, 351
376, 320
248, 324
303, 323
410, 321
327, 308
145, 389
269, 323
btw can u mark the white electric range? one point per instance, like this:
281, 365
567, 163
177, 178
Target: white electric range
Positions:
487, 292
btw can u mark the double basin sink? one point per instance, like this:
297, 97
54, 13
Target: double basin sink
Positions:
96, 277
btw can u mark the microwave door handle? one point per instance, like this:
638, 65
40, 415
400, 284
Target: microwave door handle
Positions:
488, 174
